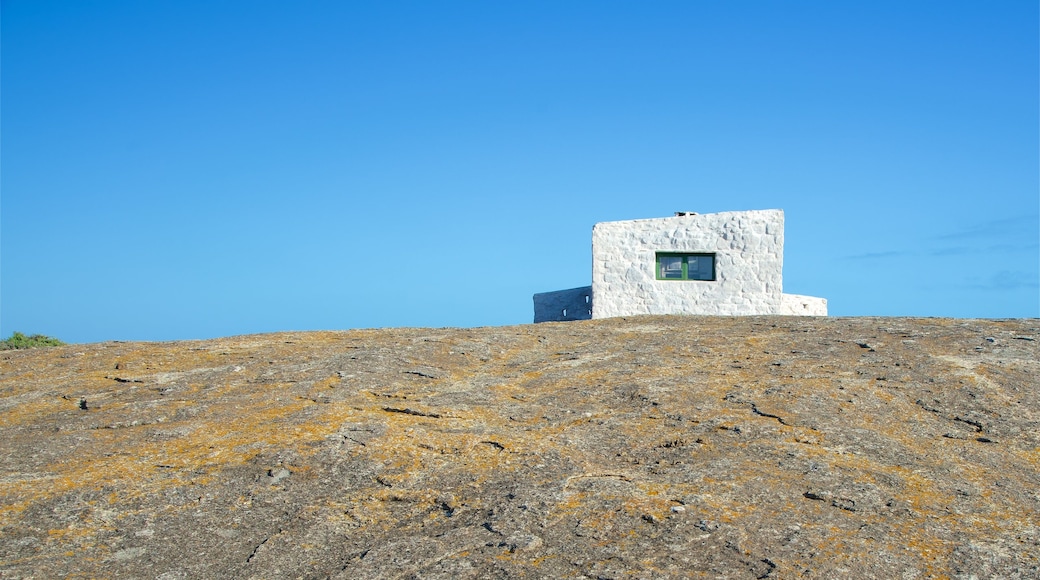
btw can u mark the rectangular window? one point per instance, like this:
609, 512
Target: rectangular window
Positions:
672, 266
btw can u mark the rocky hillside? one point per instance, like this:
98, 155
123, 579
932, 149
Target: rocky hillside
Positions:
650, 447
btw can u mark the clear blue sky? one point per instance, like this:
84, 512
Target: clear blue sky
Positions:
183, 169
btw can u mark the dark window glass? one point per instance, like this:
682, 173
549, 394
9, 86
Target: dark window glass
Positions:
674, 266
670, 268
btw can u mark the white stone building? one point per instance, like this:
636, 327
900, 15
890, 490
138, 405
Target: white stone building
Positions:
728, 263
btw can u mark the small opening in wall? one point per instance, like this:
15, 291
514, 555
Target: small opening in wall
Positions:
587, 298
676, 266
565, 312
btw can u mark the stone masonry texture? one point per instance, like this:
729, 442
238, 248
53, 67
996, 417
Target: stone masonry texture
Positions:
748, 246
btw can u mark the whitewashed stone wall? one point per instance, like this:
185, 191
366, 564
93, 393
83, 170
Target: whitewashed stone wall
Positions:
749, 259
798, 305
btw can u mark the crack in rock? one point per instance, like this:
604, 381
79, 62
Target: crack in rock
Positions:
977, 425
408, 411
760, 413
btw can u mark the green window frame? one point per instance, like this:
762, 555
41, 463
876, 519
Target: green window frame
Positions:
685, 266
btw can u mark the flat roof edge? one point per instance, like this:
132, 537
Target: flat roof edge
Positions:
691, 215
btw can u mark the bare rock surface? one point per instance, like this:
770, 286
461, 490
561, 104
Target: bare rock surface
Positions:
647, 447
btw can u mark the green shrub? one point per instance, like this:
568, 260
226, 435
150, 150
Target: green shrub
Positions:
19, 340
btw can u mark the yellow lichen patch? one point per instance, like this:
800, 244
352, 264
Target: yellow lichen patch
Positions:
151, 465
29, 412
328, 383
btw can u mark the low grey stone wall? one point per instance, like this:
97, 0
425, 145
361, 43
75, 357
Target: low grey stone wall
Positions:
563, 305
